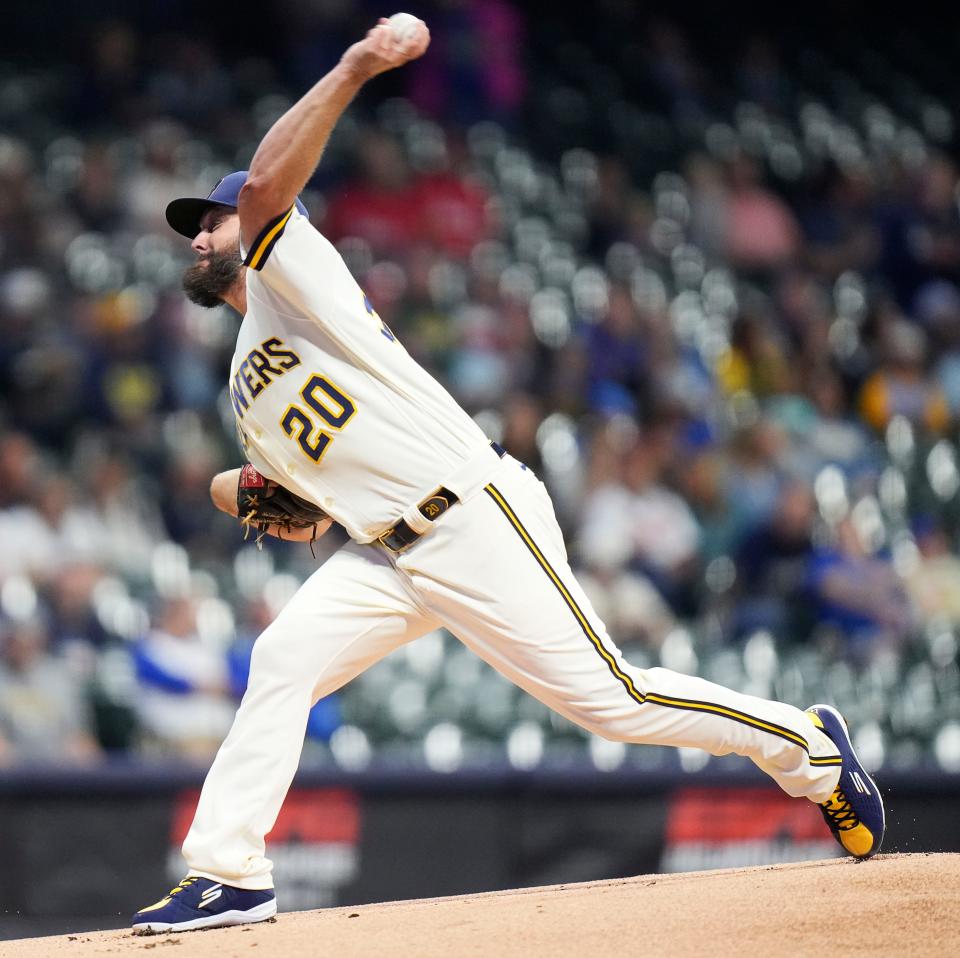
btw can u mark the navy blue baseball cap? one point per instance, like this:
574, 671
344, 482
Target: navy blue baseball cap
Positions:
184, 214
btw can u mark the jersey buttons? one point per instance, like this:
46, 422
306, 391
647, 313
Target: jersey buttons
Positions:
290, 470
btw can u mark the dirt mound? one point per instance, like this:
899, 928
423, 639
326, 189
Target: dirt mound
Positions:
892, 905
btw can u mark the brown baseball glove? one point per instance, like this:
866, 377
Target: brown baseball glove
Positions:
262, 503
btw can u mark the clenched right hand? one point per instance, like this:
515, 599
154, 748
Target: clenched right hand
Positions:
380, 50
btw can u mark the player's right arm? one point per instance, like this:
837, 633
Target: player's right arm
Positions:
223, 492
290, 151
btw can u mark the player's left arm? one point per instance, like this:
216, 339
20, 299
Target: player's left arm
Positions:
290, 151
223, 492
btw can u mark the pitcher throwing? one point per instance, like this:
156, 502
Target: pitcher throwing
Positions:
446, 528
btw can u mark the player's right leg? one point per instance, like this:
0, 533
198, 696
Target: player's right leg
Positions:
350, 613
496, 570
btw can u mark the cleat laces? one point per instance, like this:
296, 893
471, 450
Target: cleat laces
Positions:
185, 883
839, 812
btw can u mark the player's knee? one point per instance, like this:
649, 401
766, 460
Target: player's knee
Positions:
275, 661
614, 732
612, 727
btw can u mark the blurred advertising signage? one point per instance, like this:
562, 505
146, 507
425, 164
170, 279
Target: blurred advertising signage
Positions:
732, 827
314, 845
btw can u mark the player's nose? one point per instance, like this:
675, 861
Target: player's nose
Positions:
199, 243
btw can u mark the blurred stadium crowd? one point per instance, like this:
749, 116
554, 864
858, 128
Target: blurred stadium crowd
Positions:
719, 315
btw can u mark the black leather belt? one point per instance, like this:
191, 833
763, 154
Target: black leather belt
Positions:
402, 536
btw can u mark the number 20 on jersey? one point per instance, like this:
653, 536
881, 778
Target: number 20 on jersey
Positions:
328, 402
333, 407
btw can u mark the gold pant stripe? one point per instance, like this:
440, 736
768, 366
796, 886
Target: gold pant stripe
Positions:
651, 698
618, 673
696, 706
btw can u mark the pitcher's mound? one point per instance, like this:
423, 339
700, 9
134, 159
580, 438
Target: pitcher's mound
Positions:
891, 905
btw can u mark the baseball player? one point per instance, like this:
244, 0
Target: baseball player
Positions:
446, 529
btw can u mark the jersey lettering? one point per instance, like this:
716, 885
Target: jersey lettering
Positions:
384, 328
261, 366
273, 347
244, 372
240, 402
245, 387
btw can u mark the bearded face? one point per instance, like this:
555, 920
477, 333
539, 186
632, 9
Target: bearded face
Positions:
206, 282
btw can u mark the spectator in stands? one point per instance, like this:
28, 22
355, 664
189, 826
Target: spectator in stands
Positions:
381, 206
757, 452
452, 208
20, 467
821, 429
921, 233
608, 204
109, 86
676, 72
633, 519
22, 223
36, 547
934, 583
839, 222
186, 494
522, 416
704, 482
160, 176
709, 203
616, 355
757, 360
761, 75
772, 564
127, 513
69, 598
901, 386
44, 716
762, 235
937, 308
859, 595
475, 70
185, 706
94, 198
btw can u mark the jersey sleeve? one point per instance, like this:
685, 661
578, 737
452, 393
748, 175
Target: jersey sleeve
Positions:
261, 248
295, 260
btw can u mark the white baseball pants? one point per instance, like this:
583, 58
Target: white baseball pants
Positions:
493, 570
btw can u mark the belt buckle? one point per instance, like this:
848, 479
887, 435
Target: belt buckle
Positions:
396, 550
382, 539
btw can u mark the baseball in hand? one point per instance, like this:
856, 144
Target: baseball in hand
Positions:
404, 25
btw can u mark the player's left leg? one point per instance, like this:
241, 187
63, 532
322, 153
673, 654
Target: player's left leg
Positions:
495, 571
351, 612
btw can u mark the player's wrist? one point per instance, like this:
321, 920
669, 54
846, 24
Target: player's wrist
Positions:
355, 68
223, 491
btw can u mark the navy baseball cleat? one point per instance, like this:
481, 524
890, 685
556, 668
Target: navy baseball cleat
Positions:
202, 903
854, 812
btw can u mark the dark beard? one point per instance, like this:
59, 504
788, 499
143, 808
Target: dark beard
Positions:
206, 284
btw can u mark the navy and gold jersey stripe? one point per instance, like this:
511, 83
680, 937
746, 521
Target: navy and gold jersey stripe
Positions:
649, 698
263, 245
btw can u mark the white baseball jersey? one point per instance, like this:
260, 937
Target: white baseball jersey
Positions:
327, 401
331, 406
